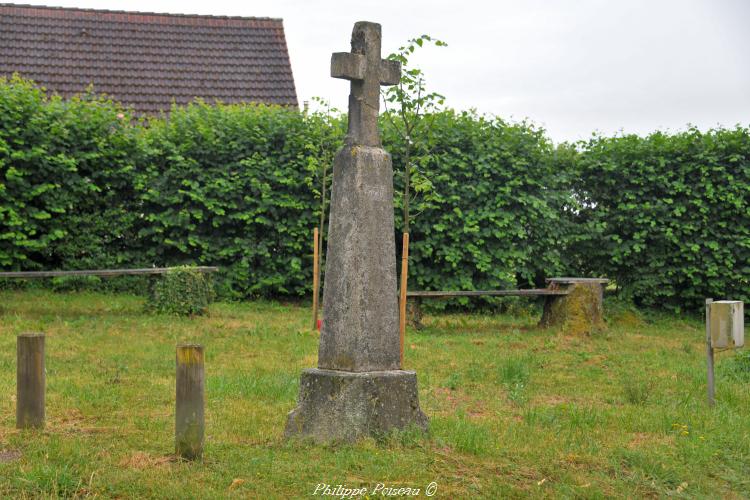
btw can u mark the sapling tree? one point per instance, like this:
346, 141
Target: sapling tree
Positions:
408, 106
411, 102
324, 157
324, 151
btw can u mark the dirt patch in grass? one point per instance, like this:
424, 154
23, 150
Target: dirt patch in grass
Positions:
550, 400
234, 324
478, 412
596, 360
5, 432
9, 455
74, 422
641, 439
140, 460
452, 400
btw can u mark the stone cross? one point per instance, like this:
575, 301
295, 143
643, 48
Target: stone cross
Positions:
367, 72
358, 388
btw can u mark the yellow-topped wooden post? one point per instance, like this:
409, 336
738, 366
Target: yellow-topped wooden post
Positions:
30, 381
190, 402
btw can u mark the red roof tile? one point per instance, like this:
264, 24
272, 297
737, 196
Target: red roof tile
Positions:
148, 60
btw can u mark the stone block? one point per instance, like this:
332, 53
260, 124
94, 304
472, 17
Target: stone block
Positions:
581, 312
345, 406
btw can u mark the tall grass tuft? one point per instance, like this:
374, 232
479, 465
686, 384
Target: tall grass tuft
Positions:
514, 374
636, 392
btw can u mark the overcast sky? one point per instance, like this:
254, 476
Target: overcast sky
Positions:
571, 66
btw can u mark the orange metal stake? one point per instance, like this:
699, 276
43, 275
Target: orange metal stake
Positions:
316, 277
402, 299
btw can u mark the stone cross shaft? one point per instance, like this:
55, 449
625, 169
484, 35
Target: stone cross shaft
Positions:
367, 72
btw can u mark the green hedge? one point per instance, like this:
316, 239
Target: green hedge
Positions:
234, 186
84, 185
67, 196
492, 215
667, 216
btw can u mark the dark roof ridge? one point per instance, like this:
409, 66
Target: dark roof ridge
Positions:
139, 13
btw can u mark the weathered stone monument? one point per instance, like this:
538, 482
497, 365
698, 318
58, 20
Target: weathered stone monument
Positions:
359, 388
581, 311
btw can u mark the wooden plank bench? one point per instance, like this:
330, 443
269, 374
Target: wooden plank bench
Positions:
568, 302
106, 273
486, 293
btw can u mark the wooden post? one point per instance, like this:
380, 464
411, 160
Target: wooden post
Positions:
30, 381
709, 354
316, 277
402, 299
189, 414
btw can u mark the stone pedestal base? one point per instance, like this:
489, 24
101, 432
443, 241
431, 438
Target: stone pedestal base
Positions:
578, 313
345, 406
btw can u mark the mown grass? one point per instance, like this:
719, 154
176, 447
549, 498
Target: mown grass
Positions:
515, 411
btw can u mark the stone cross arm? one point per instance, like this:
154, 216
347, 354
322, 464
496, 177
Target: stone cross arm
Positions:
367, 72
349, 66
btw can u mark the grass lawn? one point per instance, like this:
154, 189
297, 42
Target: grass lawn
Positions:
515, 411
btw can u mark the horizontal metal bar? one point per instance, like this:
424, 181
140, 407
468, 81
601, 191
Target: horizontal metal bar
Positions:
99, 272
490, 293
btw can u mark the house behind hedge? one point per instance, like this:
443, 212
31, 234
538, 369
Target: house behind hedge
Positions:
148, 61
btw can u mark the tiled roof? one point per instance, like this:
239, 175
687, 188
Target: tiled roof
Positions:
147, 60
